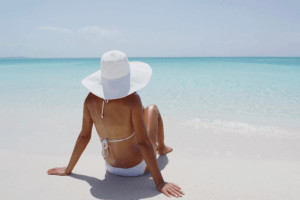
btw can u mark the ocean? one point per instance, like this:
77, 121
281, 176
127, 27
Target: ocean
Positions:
251, 94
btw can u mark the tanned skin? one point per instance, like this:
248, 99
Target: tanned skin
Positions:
121, 118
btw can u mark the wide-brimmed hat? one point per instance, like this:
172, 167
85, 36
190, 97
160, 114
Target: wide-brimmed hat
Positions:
118, 77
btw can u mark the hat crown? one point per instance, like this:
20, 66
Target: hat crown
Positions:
114, 64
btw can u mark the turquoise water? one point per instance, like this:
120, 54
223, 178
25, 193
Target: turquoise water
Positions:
259, 91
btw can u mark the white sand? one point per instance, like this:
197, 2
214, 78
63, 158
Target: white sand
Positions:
206, 164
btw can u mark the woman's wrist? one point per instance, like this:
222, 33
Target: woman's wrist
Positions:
161, 185
68, 171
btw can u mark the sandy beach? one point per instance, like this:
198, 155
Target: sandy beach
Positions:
206, 164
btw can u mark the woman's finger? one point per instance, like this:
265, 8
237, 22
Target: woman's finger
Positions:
53, 172
55, 168
175, 191
166, 193
50, 170
179, 190
176, 186
172, 193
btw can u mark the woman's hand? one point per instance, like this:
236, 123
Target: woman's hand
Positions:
171, 189
61, 171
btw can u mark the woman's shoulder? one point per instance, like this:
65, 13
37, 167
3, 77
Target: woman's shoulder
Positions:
90, 97
134, 99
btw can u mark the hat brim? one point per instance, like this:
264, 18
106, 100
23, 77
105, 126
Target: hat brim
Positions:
140, 74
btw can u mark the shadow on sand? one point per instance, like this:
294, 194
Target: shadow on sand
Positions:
119, 187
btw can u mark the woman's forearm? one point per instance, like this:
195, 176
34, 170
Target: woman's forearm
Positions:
80, 145
149, 156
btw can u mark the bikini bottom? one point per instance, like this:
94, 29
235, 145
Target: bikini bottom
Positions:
137, 170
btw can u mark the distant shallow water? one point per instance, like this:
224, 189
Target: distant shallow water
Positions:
254, 91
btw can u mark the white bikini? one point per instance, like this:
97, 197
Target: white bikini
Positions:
137, 170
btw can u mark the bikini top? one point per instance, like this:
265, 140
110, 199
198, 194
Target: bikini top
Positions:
105, 140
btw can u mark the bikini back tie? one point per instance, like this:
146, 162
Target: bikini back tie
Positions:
105, 143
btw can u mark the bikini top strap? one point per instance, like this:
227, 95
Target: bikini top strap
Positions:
122, 139
102, 110
106, 140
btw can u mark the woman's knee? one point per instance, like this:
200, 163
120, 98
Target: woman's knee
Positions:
152, 108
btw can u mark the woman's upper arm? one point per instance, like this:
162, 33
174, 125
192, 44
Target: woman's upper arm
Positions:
138, 121
87, 122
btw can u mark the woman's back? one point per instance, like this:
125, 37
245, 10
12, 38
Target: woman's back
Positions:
116, 124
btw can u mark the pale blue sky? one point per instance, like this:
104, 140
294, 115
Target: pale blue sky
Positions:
73, 28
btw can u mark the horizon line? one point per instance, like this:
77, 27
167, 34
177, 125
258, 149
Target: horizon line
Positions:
23, 57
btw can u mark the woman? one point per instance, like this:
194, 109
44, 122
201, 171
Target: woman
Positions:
131, 136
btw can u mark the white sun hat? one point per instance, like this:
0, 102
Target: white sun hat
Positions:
118, 77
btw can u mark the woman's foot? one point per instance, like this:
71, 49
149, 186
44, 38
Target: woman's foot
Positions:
164, 150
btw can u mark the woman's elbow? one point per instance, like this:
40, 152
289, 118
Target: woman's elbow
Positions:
144, 144
84, 137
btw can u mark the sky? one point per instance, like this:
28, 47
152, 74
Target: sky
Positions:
156, 28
